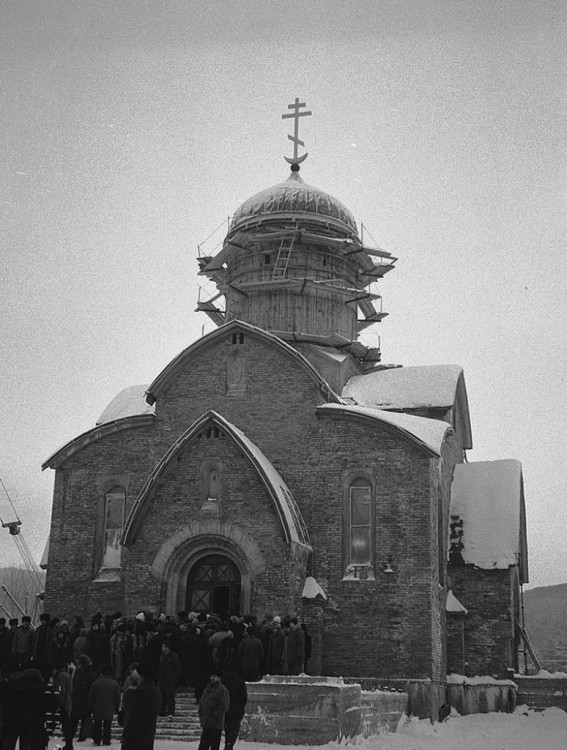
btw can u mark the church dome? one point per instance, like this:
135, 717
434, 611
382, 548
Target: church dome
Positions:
294, 197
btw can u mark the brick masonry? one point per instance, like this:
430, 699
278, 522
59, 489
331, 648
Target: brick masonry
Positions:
387, 626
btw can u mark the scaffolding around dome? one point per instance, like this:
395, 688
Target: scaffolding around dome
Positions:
294, 261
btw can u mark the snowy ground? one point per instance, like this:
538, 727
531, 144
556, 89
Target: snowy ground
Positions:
522, 730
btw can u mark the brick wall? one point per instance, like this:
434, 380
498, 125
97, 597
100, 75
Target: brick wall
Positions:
393, 625
489, 627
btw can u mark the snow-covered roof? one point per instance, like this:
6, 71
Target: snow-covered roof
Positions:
420, 387
428, 432
45, 556
128, 403
406, 387
311, 589
454, 605
488, 496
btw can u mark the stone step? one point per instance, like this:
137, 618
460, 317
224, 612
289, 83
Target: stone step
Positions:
541, 692
185, 725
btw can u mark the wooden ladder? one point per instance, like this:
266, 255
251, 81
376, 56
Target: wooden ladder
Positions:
282, 259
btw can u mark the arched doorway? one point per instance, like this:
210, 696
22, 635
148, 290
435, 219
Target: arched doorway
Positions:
213, 585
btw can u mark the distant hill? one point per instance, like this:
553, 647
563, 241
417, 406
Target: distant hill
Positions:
546, 622
22, 586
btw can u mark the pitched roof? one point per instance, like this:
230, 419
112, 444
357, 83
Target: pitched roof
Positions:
406, 387
427, 433
419, 387
127, 403
489, 498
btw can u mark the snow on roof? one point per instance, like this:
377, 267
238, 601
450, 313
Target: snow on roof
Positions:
406, 387
454, 605
488, 497
429, 432
312, 590
128, 403
45, 556
286, 502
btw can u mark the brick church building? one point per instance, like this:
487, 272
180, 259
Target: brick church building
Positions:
276, 466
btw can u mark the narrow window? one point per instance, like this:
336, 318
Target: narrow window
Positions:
113, 524
267, 260
360, 522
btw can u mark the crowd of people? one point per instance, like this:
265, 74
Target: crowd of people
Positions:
78, 678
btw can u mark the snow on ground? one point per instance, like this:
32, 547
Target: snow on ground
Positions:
522, 730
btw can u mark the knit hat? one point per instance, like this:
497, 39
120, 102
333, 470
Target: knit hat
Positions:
277, 619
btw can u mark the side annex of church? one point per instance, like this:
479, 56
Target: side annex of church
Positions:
276, 466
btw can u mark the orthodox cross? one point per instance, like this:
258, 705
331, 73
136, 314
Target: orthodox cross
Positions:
296, 114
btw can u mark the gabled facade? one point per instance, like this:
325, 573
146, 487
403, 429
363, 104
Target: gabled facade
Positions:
275, 465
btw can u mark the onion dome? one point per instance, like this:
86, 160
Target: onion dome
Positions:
294, 198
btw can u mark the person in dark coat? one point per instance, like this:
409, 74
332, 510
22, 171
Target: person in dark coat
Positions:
141, 706
202, 664
276, 656
63, 686
308, 646
22, 704
250, 653
97, 646
213, 705
42, 645
168, 672
264, 633
83, 678
22, 644
295, 648
104, 702
238, 696
227, 657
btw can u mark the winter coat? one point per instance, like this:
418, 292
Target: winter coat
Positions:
250, 652
226, 656
80, 644
296, 649
22, 703
169, 668
22, 645
104, 698
141, 707
238, 695
98, 648
213, 705
83, 678
277, 652
42, 642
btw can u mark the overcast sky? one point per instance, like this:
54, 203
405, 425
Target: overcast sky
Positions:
132, 129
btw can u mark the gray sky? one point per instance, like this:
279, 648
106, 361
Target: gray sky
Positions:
132, 129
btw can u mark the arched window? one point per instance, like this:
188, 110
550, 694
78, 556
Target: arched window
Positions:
359, 525
360, 517
114, 501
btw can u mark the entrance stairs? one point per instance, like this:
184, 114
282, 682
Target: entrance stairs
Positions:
540, 693
185, 724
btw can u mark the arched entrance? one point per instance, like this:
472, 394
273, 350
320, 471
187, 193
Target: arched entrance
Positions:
213, 585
